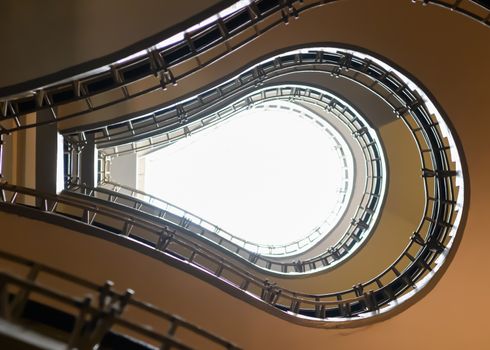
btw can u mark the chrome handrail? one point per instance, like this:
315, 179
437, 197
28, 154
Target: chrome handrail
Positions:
263, 263
334, 62
432, 235
365, 137
159, 68
107, 308
267, 291
435, 232
157, 65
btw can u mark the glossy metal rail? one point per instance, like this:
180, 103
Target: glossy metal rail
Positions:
257, 253
184, 227
1, 155
212, 106
415, 263
158, 68
164, 125
363, 70
361, 221
95, 316
437, 229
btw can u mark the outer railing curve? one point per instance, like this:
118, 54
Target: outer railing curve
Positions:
414, 267
158, 68
421, 259
437, 229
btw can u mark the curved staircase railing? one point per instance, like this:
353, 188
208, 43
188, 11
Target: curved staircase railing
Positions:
158, 68
415, 263
184, 228
407, 103
423, 257
90, 320
362, 220
429, 244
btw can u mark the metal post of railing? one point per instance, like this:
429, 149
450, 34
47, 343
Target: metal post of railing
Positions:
1, 155
20, 299
80, 322
4, 299
438, 218
94, 318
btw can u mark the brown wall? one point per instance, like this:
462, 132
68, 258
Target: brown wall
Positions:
447, 53
40, 38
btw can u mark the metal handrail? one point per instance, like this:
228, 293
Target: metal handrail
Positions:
365, 137
436, 223
263, 263
157, 63
268, 292
186, 219
202, 107
415, 263
107, 307
320, 59
58, 205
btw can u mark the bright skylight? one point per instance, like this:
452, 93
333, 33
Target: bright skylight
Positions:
269, 176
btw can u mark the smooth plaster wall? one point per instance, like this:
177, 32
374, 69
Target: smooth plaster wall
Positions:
448, 54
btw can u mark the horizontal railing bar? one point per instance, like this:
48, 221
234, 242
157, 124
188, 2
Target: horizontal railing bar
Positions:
31, 286
119, 82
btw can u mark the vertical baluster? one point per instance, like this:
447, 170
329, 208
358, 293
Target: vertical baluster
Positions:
172, 329
111, 305
320, 311
4, 298
244, 285
80, 324
1, 155
295, 305
219, 270
20, 299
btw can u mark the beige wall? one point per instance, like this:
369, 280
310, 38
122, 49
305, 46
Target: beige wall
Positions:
449, 54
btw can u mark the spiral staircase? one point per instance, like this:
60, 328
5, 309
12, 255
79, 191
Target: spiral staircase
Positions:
404, 82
